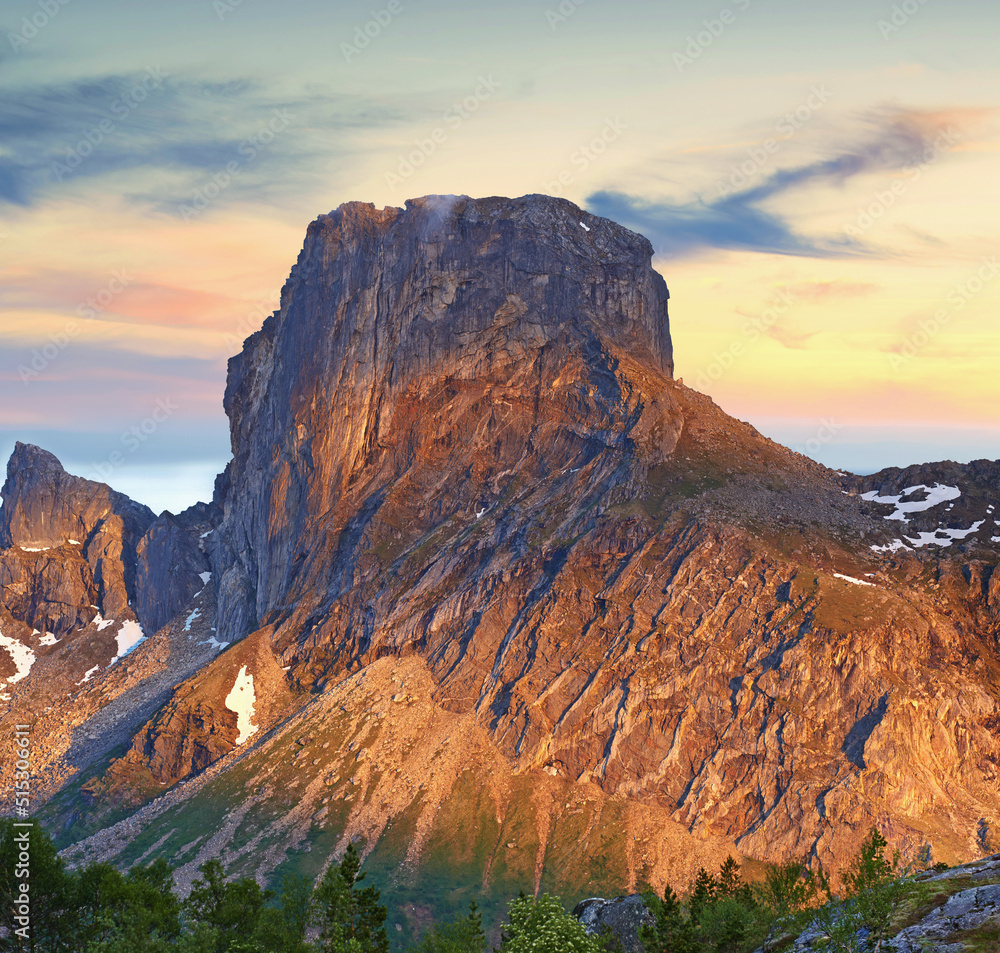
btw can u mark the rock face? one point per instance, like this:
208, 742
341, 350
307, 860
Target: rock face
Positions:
94, 528
623, 917
485, 320
171, 563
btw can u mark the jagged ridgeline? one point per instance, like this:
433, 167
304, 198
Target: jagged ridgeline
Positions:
487, 589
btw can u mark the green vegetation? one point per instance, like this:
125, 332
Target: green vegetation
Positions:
100, 909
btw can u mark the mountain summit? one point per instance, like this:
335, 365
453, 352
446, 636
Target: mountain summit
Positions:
499, 596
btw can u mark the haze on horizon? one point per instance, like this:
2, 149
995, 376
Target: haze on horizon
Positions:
818, 183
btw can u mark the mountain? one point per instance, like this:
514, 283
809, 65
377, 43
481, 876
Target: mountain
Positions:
492, 591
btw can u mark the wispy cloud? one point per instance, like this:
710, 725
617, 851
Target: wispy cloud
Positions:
892, 140
178, 129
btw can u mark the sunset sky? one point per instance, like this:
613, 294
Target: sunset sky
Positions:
819, 182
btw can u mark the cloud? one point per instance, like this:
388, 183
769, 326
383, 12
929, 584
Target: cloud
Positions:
75, 294
894, 140
178, 130
817, 291
789, 339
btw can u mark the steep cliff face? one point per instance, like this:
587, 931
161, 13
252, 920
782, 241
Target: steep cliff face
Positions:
94, 529
491, 320
172, 565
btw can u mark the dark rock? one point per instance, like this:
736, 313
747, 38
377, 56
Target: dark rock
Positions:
623, 916
170, 564
71, 543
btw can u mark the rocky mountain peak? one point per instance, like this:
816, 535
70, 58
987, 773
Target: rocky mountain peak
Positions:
405, 332
44, 506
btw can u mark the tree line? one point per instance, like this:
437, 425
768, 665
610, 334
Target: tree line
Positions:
99, 909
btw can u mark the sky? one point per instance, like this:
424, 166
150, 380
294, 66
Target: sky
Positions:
818, 182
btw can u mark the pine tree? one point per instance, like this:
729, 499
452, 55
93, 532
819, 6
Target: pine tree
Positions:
672, 931
350, 920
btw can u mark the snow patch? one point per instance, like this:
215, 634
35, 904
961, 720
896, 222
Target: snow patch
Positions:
892, 547
48, 639
23, 658
241, 700
857, 582
932, 539
128, 636
939, 493
204, 577
215, 643
86, 678
102, 623
209, 533
584, 227
34, 549
194, 615
75, 542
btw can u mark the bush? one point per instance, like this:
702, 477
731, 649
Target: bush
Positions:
542, 926
873, 889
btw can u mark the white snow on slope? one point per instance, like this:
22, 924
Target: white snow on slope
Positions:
34, 549
128, 636
194, 615
939, 493
23, 658
47, 639
241, 700
857, 582
215, 643
933, 539
102, 623
892, 547
204, 577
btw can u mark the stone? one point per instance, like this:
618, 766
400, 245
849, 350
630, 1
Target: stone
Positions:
622, 916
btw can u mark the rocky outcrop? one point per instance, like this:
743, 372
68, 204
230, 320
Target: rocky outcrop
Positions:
395, 326
70, 544
622, 917
970, 912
